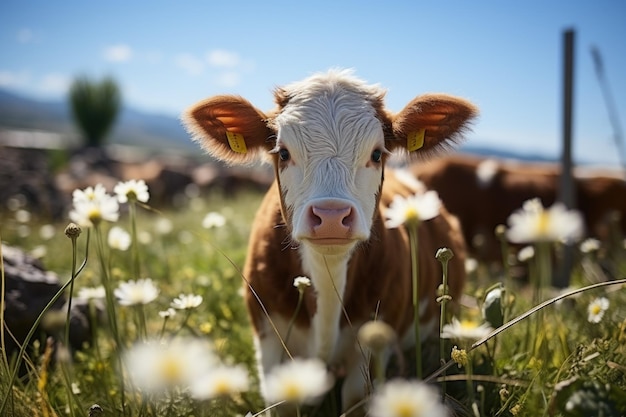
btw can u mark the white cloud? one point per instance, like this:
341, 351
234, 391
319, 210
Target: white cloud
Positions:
228, 79
54, 83
190, 64
25, 35
223, 59
13, 79
118, 53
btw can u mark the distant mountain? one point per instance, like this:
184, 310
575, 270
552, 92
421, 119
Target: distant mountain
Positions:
146, 130
132, 127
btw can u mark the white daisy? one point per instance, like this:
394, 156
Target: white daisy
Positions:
158, 366
170, 312
402, 398
589, 245
298, 381
91, 293
132, 190
186, 301
142, 291
213, 220
118, 238
526, 254
533, 223
222, 380
465, 330
92, 205
301, 283
412, 209
596, 309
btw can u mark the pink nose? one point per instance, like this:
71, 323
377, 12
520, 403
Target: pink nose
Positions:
331, 222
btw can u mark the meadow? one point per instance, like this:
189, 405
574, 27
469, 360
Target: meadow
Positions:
173, 274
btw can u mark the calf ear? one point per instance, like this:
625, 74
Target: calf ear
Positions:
229, 128
431, 123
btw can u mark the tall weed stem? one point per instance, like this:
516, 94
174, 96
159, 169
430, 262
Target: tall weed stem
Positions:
414, 246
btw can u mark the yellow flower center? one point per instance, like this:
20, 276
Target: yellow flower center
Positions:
543, 220
596, 309
468, 325
404, 409
411, 214
170, 369
292, 392
94, 215
222, 387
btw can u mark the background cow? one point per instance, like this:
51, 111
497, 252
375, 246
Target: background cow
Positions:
328, 139
483, 192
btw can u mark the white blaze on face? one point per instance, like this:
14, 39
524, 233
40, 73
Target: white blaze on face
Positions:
330, 145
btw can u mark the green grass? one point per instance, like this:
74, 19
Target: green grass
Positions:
568, 365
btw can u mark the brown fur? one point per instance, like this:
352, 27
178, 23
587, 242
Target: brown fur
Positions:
481, 208
380, 269
378, 281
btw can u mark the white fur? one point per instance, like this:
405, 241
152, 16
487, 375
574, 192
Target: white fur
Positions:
330, 130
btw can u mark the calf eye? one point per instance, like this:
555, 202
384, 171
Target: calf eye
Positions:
377, 155
283, 154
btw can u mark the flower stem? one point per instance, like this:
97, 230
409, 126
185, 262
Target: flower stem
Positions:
414, 245
134, 243
34, 327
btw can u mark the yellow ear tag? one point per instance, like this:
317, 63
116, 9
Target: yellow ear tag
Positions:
415, 140
236, 142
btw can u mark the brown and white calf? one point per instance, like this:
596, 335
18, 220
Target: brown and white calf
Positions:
323, 217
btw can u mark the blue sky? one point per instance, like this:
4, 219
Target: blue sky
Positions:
504, 56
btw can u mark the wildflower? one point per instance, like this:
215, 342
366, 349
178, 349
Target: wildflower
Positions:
486, 172
492, 310
156, 366
407, 178
47, 231
589, 245
95, 411
186, 302
301, 283
89, 293
596, 309
142, 291
72, 231
163, 226
401, 398
298, 381
119, 238
533, 223
526, 254
504, 393
221, 381
92, 205
132, 190
459, 356
515, 409
413, 209
75, 388
213, 220
22, 216
465, 330
471, 265
376, 335
170, 312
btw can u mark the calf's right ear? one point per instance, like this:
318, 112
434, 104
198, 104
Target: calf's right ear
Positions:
228, 128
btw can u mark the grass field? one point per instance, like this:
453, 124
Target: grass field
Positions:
561, 361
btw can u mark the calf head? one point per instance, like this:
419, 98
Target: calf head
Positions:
328, 138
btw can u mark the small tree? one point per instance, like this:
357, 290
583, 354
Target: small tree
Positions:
95, 106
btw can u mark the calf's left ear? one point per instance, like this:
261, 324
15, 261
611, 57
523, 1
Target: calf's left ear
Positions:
430, 123
229, 128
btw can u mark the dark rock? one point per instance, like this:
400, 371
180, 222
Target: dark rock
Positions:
29, 288
25, 173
